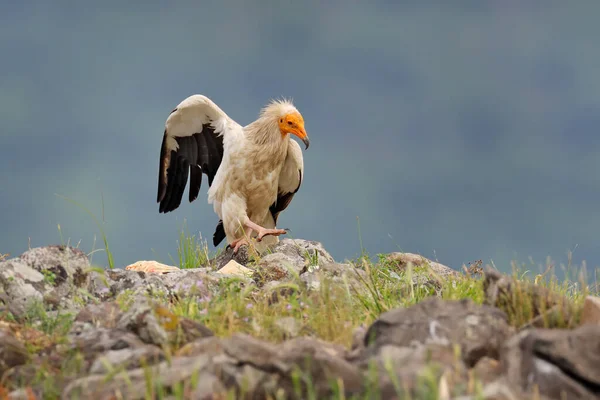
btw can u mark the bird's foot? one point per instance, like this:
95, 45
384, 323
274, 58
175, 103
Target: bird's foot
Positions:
274, 232
236, 244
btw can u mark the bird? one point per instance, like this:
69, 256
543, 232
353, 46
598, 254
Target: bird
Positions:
253, 171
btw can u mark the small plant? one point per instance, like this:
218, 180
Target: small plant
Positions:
192, 251
111, 263
49, 276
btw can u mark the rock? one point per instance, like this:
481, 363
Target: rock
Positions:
591, 311
134, 385
242, 257
289, 326
248, 350
52, 274
92, 342
157, 325
408, 364
151, 267
198, 282
311, 281
21, 285
561, 363
309, 346
209, 345
403, 260
65, 267
479, 330
339, 274
235, 268
527, 304
321, 369
129, 358
115, 281
303, 252
262, 367
276, 290
12, 352
277, 267
486, 370
425, 274
103, 315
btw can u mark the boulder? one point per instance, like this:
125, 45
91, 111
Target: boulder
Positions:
479, 330
557, 363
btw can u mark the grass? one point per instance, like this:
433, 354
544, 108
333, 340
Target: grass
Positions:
331, 313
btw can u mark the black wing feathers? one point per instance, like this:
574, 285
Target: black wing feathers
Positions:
219, 234
197, 154
283, 200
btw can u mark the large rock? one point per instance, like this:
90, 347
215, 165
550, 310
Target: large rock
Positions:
561, 363
479, 330
134, 384
155, 324
52, 275
12, 351
527, 304
591, 310
129, 358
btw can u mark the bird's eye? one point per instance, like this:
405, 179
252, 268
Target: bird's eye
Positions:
281, 120
289, 122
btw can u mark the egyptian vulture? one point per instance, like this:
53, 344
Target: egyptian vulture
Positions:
253, 171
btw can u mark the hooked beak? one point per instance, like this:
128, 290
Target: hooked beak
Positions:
301, 133
306, 142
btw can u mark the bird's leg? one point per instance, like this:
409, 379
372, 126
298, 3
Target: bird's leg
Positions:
263, 231
236, 244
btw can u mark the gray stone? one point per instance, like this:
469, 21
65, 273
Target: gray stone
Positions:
530, 305
561, 363
23, 286
51, 274
403, 260
480, 330
103, 315
248, 350
129, 358
155, 324
242, 257
12, 352
134, 384
303, 252
277, 267
343, 275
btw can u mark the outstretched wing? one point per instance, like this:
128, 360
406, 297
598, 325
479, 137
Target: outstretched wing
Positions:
290, 179
192, 145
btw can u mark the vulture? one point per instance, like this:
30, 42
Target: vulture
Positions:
253, 171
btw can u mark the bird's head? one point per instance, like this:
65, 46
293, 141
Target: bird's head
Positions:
288, 119
293, 123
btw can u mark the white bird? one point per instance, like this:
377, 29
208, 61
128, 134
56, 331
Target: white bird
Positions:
253, 171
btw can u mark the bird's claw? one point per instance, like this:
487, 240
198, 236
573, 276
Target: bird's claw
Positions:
239, 243
273, 232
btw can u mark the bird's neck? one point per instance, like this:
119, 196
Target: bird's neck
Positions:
266, 134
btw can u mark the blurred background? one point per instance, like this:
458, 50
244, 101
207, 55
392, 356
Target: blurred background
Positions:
459, 130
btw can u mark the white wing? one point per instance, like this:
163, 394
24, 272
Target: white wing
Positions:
197, 133
290, 178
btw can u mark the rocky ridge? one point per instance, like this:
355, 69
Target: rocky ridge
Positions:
134, 347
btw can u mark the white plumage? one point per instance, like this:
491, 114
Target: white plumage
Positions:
253, 171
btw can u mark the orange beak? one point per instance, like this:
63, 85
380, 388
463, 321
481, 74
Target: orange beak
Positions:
301, 133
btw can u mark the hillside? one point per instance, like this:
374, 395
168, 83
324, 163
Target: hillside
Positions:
291, 324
